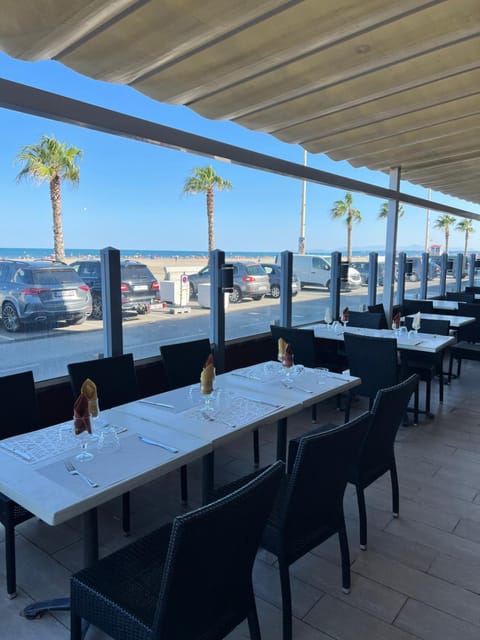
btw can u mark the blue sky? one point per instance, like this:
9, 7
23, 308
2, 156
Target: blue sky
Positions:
129, 195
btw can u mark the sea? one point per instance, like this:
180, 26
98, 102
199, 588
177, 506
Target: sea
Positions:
38, 253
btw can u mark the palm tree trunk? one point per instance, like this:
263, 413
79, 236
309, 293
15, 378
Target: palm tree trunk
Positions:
349, 241
466, 243
447, 235
56, 199
211, 221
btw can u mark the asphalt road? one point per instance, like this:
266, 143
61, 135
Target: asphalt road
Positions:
48, 351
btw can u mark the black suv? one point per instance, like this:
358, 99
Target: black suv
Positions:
139, 287
41, 292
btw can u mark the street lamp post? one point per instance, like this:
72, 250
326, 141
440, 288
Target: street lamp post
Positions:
301, 238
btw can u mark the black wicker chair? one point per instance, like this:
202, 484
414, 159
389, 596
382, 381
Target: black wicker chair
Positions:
19, 415
366, 319
188, 580
375, 361
309, 507
183, 363
116, 384
427, 365
410, 305
468, 340
378, 308
377, 455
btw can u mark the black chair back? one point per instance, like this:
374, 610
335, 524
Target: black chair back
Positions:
388, 412
313, 504
472, 289
206, 588
470, 332
366, 319
410, 305
302, 342
19, 404
378, 308
428, 325
374, 360
114, 377
183, 362
461, 296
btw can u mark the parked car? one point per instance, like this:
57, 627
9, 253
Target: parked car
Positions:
250, 280
363, 268
417, 268
316, 271
274, 273
41, 292
139, 287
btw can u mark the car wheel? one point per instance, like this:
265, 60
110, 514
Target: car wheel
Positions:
143, 309
10, 318
97, 311
235, 296
275, 291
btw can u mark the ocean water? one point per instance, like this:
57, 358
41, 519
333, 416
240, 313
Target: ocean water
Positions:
40, 253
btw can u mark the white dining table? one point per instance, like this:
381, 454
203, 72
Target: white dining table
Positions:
409, 341
455, 321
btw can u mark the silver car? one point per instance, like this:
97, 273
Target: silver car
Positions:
41, 292
250, 280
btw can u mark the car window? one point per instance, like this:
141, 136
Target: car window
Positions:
136, 272
255, 270
23, 276
4, 271
56, 276
268, 269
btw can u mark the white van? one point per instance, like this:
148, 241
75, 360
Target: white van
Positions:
316, 271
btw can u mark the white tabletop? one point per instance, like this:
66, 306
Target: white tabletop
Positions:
408, 341
455, 321
32, 471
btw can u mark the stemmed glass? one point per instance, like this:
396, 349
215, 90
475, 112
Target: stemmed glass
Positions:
85, 439
328, 317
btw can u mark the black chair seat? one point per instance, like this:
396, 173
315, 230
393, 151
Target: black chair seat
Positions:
470, 350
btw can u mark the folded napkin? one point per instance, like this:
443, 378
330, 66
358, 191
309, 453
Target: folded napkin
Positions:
416, 322
282, 345
207, 376
81, 415
345, 315
328, 316
288, 356
89, 389
396, 320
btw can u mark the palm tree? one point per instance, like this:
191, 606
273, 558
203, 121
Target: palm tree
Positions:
51, 161
466, 227
205, 180
344, 208
384, 210
445, 222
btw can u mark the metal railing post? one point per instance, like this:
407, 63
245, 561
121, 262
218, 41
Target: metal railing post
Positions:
286, 265
111, 302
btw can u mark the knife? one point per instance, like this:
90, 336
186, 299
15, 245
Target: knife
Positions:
268, 404
158, 404
157, 444
17, 452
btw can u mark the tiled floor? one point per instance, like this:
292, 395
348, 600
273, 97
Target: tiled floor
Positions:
418, 579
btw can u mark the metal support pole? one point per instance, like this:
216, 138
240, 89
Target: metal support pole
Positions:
471, 270
458, 271
372, 278
217, 308
443, 273
423, 283
111, 302
391, 244
286, 264
402, 266
335, 273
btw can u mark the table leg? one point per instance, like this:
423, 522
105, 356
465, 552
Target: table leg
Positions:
207, 476
90, 554
282, 439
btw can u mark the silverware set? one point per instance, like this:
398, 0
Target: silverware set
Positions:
75, 472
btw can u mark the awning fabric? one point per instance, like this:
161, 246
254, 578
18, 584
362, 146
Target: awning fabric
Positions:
379, 84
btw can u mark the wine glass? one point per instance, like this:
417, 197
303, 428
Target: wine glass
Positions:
328, 317
85, 440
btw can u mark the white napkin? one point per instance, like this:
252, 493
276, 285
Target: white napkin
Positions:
416, 321
328, 316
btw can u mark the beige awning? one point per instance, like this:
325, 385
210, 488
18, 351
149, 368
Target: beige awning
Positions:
377, 83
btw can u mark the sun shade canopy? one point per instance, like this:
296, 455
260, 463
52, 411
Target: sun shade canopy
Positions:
379, 84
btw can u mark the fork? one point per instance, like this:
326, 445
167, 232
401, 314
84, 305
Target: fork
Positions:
75, 472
